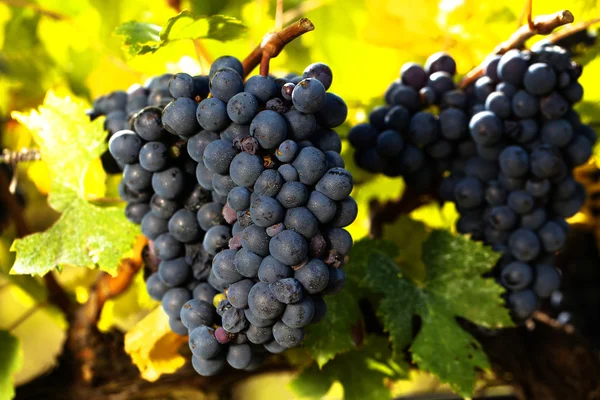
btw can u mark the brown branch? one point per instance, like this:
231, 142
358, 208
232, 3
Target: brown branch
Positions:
273, 43
388, 212
541, 25
83, 332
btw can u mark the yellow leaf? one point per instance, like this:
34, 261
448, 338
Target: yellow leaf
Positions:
127, 309
153, 348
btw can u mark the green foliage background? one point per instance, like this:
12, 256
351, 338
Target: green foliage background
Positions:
87, 48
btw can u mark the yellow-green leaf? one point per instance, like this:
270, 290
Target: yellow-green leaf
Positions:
11, 360
68, 143
85, 236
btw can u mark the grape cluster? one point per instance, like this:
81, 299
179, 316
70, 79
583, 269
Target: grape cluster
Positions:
507, 146
420, 129
516, 192
243, 193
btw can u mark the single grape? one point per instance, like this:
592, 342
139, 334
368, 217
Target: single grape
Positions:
311, 165
203, 343
167, 247
320, 72
287, 290
135, 212
212, 114
286, 336
223, 267
486, 128
125, 146
299, 314
195, 313
516, 275
522, 303
173, 300
216, 238
539, 79
168, 184
269, 128
238, 293
226, 83
547, 280
300, 126
155, 287
245, 169
256, 240
233, 320
262, 303
242, 107
226, 62
239, 356
258, 335
261, 87
153, 226
309, 95
524, 244
288, 247
179, 117
218, 156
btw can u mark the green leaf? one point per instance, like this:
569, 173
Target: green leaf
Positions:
11, 360
333, 334
408, 235
217, 27
85, 235
142, 38
361, 372
138, 37
453, 287
359, 257
68, 143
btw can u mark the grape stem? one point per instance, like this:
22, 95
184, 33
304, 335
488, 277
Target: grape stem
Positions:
83, 330
272, 44
541, 25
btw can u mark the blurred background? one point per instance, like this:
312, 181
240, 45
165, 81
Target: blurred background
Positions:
70, 46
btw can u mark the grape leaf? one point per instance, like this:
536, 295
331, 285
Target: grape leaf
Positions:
453, 288
142, 38
85, 234
153, 347
361, 372
138, 37
333, 334
11, 360
68, 143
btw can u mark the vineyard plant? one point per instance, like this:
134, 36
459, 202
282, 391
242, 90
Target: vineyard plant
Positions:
286, 199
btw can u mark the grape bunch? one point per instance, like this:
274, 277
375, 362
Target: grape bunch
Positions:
516, 192
422, 126
244, 196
